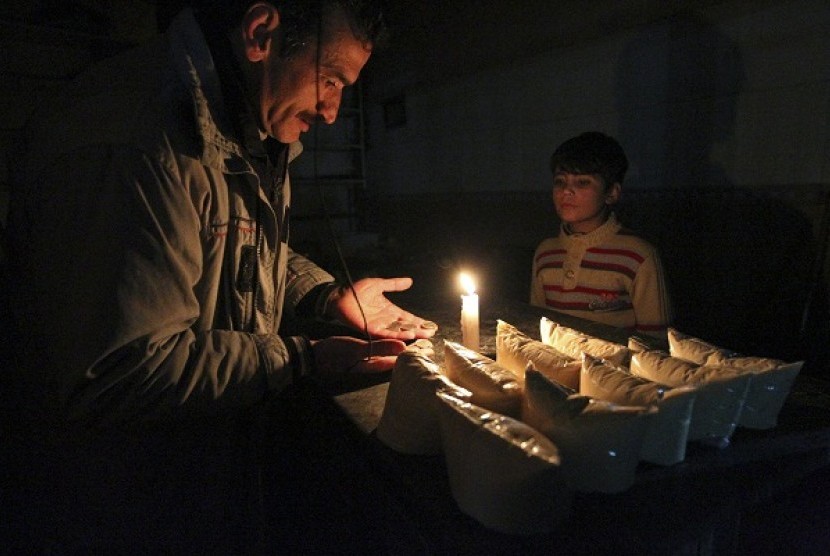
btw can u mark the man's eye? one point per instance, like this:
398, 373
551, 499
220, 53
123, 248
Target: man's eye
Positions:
332, 83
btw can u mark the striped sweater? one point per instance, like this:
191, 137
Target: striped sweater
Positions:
608, 275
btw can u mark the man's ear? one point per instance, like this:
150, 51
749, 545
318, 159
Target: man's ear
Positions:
613, 194
258, 26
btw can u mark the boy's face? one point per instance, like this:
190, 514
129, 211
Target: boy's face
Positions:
582, 200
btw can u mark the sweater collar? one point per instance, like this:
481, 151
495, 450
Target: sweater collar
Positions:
610, 227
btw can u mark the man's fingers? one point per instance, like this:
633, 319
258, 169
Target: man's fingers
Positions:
375, 364
397, 284
385, 347
380, 356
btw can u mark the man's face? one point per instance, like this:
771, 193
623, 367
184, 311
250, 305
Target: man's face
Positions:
296, 91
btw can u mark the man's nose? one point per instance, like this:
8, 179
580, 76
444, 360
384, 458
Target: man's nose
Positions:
327, 108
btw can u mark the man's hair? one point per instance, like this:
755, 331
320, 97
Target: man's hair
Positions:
301, 19
591, 153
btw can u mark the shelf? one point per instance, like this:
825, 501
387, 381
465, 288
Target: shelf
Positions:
338, 171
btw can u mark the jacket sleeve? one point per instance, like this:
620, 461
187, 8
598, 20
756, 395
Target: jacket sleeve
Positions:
303, 277
109, 263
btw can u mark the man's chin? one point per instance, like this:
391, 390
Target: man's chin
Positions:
287, 137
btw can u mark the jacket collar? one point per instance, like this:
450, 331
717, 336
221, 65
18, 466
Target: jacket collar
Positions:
195, 67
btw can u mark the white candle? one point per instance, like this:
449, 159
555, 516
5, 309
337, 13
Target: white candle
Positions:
469, 313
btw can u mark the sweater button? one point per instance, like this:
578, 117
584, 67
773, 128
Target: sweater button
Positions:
569, 274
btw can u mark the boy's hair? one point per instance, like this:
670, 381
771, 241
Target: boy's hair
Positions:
591, 153
301, 18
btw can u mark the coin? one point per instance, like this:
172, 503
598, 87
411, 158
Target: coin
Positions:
429, 325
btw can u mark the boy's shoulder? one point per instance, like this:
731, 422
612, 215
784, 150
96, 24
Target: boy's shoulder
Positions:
549, 242
548, 247
628, 232
633, 239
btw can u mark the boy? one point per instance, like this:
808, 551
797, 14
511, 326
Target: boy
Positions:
596, 269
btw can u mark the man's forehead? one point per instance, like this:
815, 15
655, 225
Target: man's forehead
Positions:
344, 55
335, 25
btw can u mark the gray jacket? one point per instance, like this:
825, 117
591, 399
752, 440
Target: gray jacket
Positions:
133, 210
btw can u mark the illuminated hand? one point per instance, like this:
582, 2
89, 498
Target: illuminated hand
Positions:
344, 354
383, 318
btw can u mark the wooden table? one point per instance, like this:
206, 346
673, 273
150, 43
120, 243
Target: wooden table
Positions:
304, 474
395, 503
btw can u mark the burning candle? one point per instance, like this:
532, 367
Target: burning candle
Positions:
469, 313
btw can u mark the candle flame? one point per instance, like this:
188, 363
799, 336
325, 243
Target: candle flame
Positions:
467, 283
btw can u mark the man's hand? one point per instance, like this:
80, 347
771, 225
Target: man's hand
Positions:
344, 354
384, 318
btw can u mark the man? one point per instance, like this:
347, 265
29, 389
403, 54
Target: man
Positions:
149, 224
